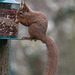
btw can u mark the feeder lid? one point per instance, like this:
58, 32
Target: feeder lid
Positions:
9, 1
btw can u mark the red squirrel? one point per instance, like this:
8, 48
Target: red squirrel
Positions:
37, 24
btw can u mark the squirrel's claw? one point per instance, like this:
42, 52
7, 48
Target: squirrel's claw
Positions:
29, 38
35, 40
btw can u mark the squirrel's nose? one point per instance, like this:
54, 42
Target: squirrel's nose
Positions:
16, 21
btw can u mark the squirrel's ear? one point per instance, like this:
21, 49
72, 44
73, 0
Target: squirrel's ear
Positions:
25, 7
24, 4
21, 3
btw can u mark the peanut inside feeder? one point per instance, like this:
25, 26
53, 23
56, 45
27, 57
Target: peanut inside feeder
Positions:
8, 27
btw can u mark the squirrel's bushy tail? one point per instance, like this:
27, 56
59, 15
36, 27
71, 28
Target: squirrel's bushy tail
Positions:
52, 56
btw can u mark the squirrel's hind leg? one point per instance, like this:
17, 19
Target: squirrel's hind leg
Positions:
37, 32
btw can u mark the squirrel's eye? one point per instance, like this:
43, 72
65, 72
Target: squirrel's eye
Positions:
21, 12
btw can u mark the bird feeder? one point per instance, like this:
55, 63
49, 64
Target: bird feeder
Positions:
8, 27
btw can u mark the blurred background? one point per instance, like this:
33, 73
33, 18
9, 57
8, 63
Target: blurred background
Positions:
29, 57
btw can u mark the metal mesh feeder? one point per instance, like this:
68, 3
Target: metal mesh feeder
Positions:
8, 28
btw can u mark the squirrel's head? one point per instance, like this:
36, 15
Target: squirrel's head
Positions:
22, 12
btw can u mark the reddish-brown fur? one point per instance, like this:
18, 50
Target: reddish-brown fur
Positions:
37, 23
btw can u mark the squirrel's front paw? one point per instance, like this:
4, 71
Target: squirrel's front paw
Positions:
26, 38
23, 38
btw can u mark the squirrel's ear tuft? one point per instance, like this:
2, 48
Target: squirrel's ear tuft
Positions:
21, 3
24, 4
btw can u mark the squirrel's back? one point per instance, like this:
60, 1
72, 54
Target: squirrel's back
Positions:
39, 18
